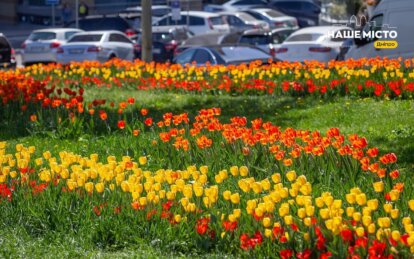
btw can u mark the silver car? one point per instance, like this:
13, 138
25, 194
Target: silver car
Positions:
41, 46
240, 21
96, 45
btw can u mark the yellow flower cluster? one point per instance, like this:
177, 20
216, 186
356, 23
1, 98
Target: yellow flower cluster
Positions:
280, 199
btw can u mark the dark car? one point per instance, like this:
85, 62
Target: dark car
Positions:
166, 40
104, 23
222, 55
305, 11
7, 58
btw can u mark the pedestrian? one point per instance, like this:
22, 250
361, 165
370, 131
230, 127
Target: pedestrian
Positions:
83, 9
66, 14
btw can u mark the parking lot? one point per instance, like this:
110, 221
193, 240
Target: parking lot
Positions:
218, 34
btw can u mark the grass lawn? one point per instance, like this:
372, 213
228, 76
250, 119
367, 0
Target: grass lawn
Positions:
387, 124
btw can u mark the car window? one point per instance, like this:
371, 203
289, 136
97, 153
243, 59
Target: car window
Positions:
197, 21
202, 56
283, 35
255, 39
35, 36
3, 43
257, 16
115, 37
233, 20
247, 2
304, 37
69, 34
86, 38
273, 13
216, 20
246, 17
185, 57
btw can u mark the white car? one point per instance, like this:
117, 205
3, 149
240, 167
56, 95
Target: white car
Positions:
393, 16
274, 18
236, 5
312, 43
96, 45
41, 46
198, 22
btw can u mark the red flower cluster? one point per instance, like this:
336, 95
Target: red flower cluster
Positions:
247, 242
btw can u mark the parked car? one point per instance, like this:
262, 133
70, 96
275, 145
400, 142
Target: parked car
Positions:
221, 55
268, 41
312, 43
7, 57
388, 15
106, 22
305, 11
168, 38
41, 45
235, 5
212, 38
96, 45
240, 21
198, 22
274, 18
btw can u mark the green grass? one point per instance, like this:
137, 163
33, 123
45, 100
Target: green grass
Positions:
387, 124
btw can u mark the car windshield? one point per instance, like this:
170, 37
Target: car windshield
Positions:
246, 17
304, 37
35, 36
273, 13
255, 39
231, 54
86, 38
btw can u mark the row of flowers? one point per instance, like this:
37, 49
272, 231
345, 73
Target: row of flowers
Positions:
377, 77
281, 210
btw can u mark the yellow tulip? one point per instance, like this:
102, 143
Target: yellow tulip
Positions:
291, 176
411, 204
89, 187
276, 178
142, 160
267, 222
234, 170
235, 198
378, 186
99, 187
244, 171
360, 231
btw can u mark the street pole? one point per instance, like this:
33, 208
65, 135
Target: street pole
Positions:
77, 13
146, 26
